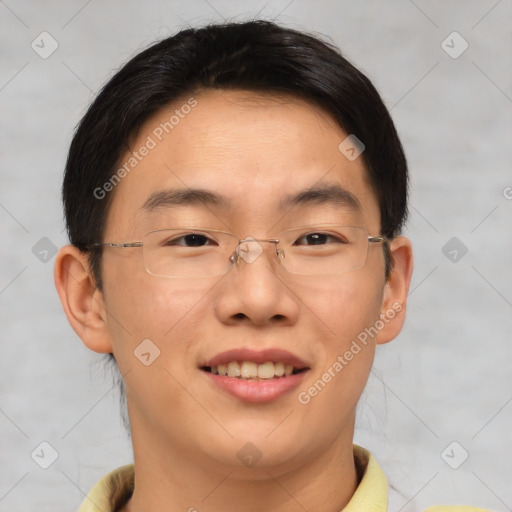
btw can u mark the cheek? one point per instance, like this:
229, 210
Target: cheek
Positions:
141, 306
342, 305
348, 306
169, 313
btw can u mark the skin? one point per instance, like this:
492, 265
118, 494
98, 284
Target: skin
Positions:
186, 433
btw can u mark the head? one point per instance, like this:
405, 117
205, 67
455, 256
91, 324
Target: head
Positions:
240, 128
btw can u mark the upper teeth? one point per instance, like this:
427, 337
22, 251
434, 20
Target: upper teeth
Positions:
250, 370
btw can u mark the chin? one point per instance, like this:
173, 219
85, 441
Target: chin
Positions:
256, 451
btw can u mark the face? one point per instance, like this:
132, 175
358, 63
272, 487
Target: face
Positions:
255, 153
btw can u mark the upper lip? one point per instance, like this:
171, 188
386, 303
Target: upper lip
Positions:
256, 356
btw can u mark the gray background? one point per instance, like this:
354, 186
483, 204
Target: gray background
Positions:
446, 378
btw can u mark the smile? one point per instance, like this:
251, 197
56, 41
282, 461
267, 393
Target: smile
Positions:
253, 371
255, 376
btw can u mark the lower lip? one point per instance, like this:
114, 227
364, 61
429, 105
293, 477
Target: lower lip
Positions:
257, 390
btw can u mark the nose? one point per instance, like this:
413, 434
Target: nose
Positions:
254, 291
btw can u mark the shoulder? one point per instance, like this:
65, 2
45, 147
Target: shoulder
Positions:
372, 492
111, 492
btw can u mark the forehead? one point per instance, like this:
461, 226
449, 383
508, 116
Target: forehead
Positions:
255, 151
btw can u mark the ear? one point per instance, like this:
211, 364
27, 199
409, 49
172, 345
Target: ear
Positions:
82, 301
396, 290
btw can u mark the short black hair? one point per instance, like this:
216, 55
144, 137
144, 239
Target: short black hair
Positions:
256, 55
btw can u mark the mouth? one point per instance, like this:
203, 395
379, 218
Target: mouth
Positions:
249, 370
255, 376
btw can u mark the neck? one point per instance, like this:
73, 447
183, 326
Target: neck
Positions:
172, 479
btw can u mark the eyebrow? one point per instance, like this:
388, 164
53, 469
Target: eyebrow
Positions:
184, 197
327, 194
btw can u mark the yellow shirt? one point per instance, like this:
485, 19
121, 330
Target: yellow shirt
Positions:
371, 495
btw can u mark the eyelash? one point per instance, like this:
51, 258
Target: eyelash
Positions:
338, 240
175, 241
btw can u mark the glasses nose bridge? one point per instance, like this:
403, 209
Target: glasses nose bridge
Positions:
249, 249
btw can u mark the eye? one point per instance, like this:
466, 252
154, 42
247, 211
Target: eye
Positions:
318, 239
189, 240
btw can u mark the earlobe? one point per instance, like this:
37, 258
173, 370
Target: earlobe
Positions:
81, 300
396, 290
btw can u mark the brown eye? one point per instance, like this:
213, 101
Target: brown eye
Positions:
317, 239
189, 240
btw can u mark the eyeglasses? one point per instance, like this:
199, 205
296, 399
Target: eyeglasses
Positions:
196, 252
